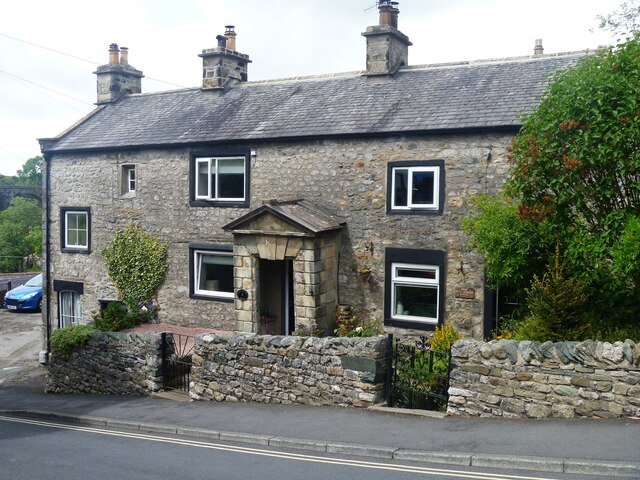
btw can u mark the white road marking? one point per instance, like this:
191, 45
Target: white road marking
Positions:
272, 454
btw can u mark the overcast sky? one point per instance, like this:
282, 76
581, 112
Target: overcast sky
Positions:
43, 92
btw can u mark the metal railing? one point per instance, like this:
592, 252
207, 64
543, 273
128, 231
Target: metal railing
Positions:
176, 361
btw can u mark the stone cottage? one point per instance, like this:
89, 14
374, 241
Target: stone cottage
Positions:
282, 199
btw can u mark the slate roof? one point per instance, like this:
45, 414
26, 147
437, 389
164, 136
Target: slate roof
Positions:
468, 95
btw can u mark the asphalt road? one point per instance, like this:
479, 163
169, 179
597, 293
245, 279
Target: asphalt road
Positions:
20, 340
40, 449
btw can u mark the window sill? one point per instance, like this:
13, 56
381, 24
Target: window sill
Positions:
218, 203
414, 211
75, 250
212, 298
414, 325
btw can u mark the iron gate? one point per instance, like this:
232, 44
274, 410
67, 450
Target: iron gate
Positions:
417, 377
176, 361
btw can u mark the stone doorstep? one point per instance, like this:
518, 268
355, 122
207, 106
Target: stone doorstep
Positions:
381, 407
542, 464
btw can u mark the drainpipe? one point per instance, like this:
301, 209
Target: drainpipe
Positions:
44, 355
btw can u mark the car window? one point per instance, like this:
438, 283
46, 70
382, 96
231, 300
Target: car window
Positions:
35, 281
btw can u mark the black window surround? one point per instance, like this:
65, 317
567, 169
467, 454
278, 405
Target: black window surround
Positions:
417, 258
64, 285
207, 248
439, 194
218, 153
64, 213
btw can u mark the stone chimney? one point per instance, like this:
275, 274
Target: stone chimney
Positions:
538, 50
117, 78
223, 65
387, 47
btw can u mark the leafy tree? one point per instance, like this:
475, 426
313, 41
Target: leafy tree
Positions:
575, 181
623, 22
20, 233
7, 180
31, 172
514, 250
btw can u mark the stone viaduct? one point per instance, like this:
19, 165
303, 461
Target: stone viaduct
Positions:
8, 192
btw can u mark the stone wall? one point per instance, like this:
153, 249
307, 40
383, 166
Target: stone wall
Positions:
110, 363
539, 380
289, 370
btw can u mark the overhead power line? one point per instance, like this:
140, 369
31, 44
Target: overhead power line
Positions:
32, 85
78, 58
47, 48
13, 154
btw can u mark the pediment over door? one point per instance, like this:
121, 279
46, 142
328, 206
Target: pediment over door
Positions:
297, 218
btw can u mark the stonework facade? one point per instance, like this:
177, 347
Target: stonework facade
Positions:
512, 379
348, 177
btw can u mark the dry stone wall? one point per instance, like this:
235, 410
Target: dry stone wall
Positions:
506, 378
110, 363
336, 371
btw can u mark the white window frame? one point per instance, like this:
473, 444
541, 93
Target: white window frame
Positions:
398, 280
74, 317
66, 230
197, 268
410, 205
131, 178
213, 164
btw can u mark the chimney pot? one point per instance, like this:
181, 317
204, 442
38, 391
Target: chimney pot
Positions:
222, 41
124, 56
388, 13
114, 54
230, 35
538, 50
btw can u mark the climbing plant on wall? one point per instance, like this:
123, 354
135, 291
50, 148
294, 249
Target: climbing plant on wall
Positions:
136, 262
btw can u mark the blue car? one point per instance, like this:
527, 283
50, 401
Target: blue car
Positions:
25, 297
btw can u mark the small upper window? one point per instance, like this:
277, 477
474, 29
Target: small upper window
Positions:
416, 187
128, 179
75, 229
220, 178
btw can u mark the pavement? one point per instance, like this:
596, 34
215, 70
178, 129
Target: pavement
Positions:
603, 448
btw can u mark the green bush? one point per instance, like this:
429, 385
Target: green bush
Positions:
556, 308
136, 262
112, 318
117, 316
443, 337
358, 324
65, 340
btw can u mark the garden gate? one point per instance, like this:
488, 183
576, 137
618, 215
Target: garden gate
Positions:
176, 361
417, 377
